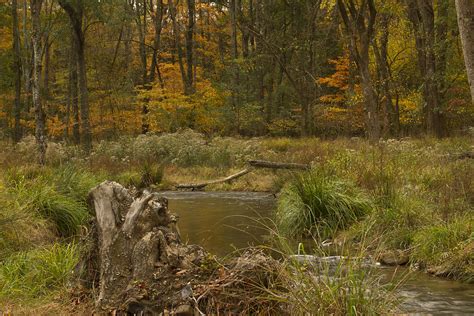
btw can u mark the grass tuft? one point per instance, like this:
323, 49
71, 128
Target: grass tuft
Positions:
316, 203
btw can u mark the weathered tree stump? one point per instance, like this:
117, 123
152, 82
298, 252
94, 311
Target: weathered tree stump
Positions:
137, 243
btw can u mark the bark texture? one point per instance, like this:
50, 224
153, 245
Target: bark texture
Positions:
359, 25
465, 11
137, 241
40, 129
17, 72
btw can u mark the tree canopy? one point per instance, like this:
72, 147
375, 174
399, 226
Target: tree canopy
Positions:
272, 67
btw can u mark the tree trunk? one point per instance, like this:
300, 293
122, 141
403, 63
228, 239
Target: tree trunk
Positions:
84, 97
177, 44
76, 16
465, 12
391, 121
233, 28
17, 73
27, 57
47, 65
158, 25
141, 27
137, 241
421, 15
40, 130
190, 89
74, 96
359, 24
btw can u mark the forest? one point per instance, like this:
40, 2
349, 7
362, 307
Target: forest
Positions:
355, 116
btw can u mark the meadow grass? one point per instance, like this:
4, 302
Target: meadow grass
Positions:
416, 195
37, 273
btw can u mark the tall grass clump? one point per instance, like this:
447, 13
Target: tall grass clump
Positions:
37, 273
57, 195
317, 203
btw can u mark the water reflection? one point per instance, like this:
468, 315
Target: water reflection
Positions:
221, 221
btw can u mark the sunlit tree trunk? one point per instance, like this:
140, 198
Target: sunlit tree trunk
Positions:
465, 12
40, 130
158, 25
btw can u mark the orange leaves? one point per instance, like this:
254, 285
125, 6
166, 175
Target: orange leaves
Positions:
339, 81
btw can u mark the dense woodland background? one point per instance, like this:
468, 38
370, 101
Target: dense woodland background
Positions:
87, 69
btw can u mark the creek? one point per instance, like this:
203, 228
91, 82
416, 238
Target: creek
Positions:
224, 222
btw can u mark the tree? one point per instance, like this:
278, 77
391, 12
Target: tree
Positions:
421, 13
17, 72
157, 16
190, 46
76, 14
359, 24
391, 120
186, 78
465, 12
40, 130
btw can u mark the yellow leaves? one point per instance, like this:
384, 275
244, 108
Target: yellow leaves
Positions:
409, 108
55, 126
5, 38
170, 109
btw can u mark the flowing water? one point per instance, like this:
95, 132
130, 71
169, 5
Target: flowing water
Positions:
225, 221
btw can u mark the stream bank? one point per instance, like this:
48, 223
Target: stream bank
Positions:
225, 221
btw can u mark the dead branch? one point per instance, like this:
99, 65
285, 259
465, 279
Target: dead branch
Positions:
278, 165
253, 164
200, 186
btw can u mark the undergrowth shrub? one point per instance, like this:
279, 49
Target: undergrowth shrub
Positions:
186, 148
316, 203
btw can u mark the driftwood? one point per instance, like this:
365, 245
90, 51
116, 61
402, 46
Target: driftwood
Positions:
278, 165
137, 241
253, 164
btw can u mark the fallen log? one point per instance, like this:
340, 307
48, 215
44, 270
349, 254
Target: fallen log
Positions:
200, 186
278, 165
253, 164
